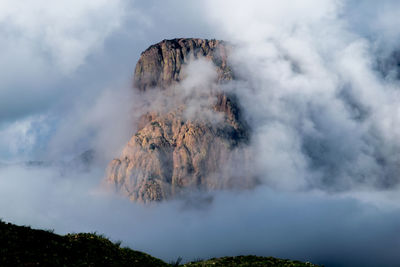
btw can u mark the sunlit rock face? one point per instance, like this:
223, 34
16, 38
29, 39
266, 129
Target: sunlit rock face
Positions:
193, 136
161, 64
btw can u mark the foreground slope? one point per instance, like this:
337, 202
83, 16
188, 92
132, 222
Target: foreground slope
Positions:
247, 261
23, 246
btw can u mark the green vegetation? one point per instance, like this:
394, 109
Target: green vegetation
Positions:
247, 261
23, 246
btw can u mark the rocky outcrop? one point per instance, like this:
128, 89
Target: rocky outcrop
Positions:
161, 64
172, 152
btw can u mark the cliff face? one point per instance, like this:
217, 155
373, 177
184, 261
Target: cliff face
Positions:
161, 64
173, 152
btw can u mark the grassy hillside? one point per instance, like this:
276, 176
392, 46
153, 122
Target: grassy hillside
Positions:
23, 246
247, 261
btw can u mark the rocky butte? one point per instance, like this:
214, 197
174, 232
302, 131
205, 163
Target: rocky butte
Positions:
192, 135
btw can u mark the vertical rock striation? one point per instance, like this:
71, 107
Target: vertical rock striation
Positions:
172, 153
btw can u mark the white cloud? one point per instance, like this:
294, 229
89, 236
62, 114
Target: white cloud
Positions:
103, 123
322, 115
20, 139
67, 31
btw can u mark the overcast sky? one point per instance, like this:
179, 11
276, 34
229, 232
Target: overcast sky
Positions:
326, 124
57, 57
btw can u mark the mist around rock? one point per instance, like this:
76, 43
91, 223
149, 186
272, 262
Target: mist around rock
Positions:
324, 117
191, 135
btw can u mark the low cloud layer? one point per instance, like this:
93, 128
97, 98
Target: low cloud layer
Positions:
323, 111
335, 230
